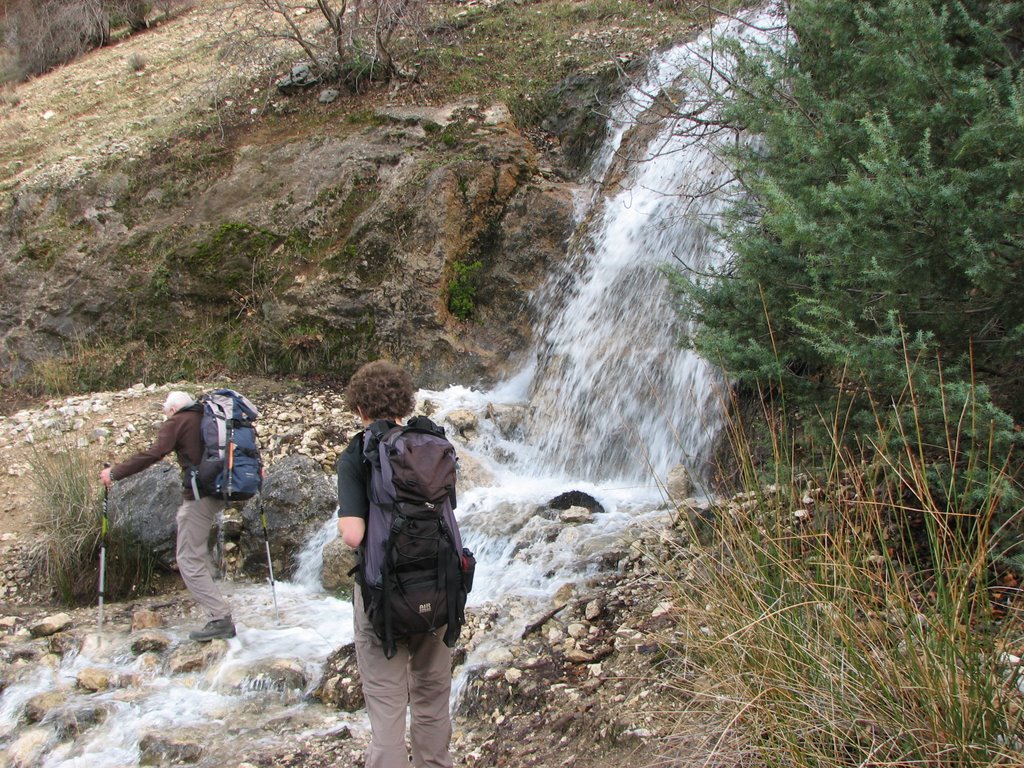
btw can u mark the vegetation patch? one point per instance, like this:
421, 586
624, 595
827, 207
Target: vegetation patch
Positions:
516, 53
70, 509
463, 287
843, 614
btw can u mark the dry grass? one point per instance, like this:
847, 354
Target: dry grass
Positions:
65, 482
63, 123
851, 620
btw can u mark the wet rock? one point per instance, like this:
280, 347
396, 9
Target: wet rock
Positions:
465, 422
297, 499
281, 675
145, 506
576, 516
472, 474
29, 748
339, 559
340, 685
678, 484
93, 679
500, 656
149, 664
150, 640
51, 625
146, 619
576, 499
508, 418
196, 657
63, 643
72, 721
572, 118
40, 705
21, 652
157, 749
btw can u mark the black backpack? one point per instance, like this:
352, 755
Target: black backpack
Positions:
414, 572
231, 467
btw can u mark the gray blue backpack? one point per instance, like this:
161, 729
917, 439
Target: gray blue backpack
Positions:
414, 572
231, 467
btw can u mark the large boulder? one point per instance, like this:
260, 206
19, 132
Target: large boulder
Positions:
340, 685
297, 499
144, 506
338, 560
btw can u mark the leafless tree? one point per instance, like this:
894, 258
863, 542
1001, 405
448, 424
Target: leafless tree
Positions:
340, 38
43, 34
46, 33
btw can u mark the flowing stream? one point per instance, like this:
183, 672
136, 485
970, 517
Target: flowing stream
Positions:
605, 404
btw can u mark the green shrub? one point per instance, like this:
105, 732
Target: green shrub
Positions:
462, 288
856, 265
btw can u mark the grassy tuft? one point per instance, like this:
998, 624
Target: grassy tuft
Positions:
846, 614
65, 480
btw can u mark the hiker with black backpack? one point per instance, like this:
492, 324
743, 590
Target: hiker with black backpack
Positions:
396, 495
181, 432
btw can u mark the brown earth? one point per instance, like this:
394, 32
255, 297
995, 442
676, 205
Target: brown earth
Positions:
69, 120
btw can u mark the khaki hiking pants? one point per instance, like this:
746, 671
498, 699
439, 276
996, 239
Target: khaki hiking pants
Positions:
195, 518
418, 677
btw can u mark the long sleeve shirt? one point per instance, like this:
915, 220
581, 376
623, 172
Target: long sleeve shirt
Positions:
180, 433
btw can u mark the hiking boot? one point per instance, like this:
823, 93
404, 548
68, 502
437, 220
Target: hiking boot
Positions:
216, 629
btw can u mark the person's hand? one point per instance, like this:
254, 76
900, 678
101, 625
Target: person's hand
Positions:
105, 477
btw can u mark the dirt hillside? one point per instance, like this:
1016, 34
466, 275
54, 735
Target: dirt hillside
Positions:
121, 99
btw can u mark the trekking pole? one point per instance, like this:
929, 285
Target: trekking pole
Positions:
270, 562
103, 550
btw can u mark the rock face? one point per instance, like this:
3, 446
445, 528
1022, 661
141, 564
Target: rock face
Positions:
146, 506
297, 499
306, 253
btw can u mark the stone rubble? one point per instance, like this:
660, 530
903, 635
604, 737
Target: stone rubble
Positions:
578, 676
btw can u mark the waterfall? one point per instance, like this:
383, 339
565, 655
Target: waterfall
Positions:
612, 396
611, 401
309, 562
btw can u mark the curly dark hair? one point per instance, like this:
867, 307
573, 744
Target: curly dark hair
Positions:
381, 390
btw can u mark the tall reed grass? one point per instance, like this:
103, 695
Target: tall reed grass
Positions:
68, 497
851, 608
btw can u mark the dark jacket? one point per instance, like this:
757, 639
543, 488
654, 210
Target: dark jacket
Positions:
181, 434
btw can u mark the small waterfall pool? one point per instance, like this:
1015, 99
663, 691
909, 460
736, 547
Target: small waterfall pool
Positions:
605, 404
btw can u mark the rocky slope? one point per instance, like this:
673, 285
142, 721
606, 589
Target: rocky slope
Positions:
167, 212
592, 680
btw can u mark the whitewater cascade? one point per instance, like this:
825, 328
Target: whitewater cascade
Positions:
606, 402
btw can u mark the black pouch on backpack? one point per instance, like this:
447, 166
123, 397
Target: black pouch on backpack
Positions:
207, 473
418, 605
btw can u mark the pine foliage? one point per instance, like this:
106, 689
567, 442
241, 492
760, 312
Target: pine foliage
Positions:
877, 259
